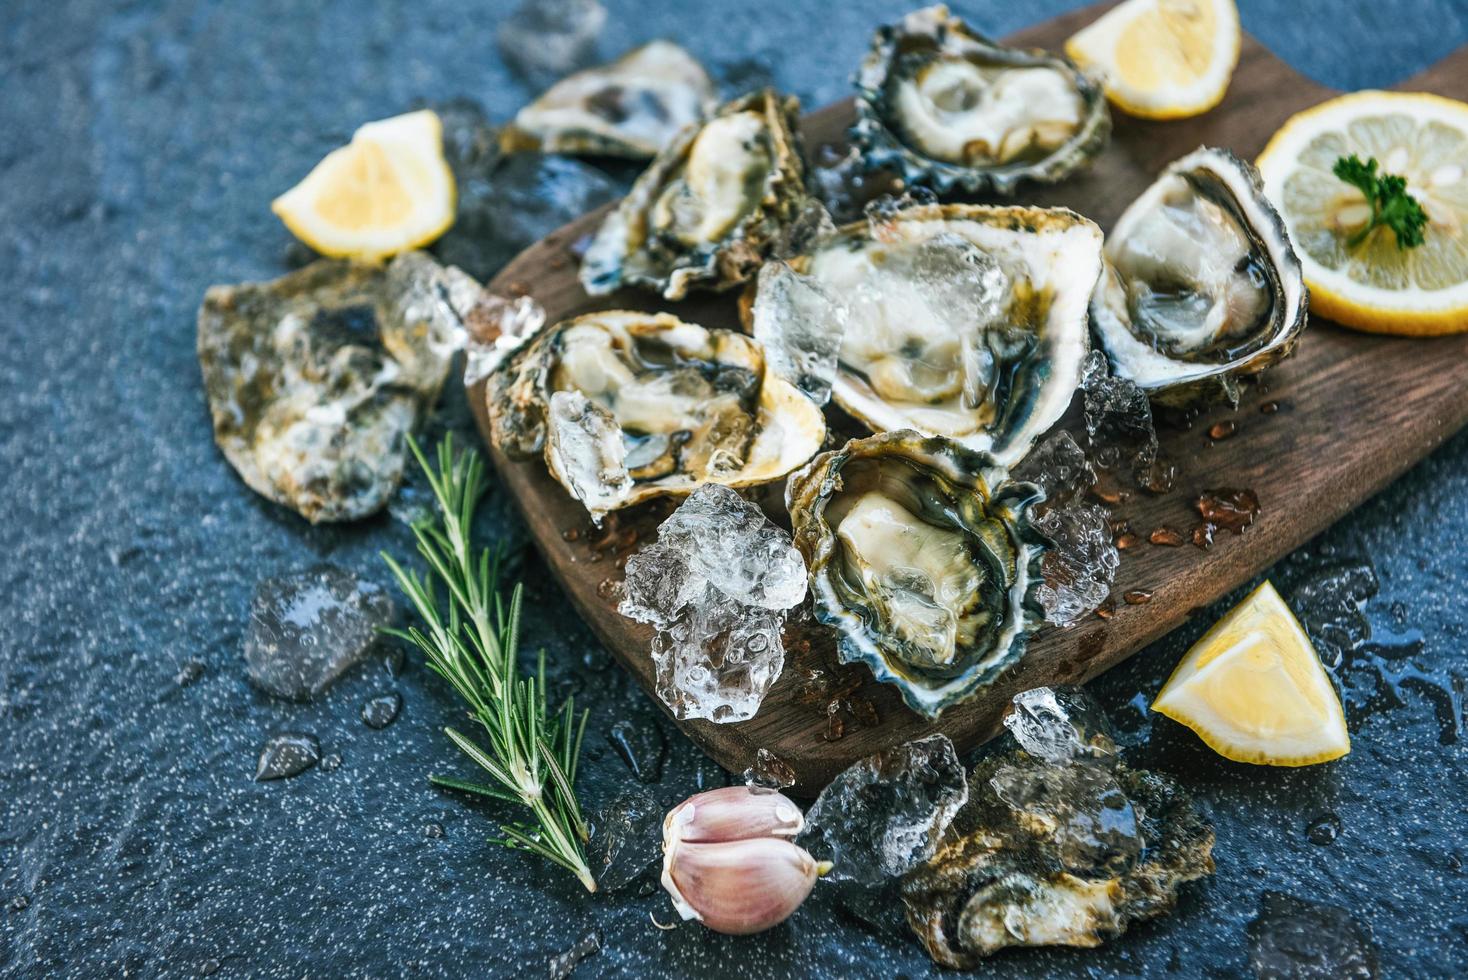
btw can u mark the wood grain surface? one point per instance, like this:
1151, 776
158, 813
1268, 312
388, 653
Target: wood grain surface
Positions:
1354, 411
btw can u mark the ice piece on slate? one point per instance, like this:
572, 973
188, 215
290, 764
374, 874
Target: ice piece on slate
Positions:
1060, 725
800, 326
562, 965
1293, 939
544, 40
769, 774
885, 814
584, 449
1118, 418
1080, 565
497, 328
1060, 467
716, 584
307, 629
626, 840
286, 755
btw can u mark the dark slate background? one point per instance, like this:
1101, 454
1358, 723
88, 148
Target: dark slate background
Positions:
140, 144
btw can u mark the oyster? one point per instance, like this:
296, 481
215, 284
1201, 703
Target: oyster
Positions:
959, 320
1202, 285
626, 406
922, 560
708, 209
316, 378
629, 108
1003, 878
945, 107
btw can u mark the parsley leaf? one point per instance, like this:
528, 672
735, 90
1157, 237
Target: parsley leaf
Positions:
1391, 205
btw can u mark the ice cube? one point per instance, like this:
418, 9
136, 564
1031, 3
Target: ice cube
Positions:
716, 584
1118, 418
286, 755
308, 629
770, 773
1060, 725
1060, 467
1080, 564
800, 326
885, 814
626, 840
584, 448
544, 40
1293, 938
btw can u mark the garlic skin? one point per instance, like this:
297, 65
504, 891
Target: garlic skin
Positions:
728, 861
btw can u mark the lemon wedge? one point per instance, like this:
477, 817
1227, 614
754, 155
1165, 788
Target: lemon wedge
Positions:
1253, 688
387, 191
1162, 59
1374, 285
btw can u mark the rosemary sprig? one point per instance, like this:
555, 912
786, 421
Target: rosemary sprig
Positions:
471, 640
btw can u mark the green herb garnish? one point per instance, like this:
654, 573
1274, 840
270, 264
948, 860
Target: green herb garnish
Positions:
1391, 205
471, 640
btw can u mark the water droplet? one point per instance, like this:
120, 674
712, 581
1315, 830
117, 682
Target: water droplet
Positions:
1137, 597
433, 831
1268, 408
1203, 536
1128, 539
382, 710
1232, 510
332, 762
642, 746
1222, 430
1166, 537
19, 903
190, 671
209, 967
1324, 829
286, 755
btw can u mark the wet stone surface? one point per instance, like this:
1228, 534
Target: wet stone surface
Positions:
142, 146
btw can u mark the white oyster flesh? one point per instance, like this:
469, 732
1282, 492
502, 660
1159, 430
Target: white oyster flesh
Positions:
964, 322
631, 107
722, 183
585, 452
961, 112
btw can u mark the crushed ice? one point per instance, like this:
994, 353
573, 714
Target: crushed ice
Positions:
800, 326
1079, 566
716, 584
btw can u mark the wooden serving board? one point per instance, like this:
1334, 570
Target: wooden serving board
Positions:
1354, 412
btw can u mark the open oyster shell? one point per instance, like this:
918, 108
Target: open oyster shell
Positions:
1000, 880
626, 406
316, 378
959, 320
923, 559
1202, 284
629, 108
945, 107
708, 209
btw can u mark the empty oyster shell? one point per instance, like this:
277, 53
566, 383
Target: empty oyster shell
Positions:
944, 106
1000, 879
923, 560
660, 406
707, 210
1202, 283
316, 378
959, 320
629, 108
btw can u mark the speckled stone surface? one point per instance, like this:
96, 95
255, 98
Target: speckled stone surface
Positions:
140, 144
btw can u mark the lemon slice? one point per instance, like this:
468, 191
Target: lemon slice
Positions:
1375, 285
1254, 690
387, 191
1162, 59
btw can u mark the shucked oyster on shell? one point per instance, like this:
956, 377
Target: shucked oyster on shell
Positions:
1202, 284
945, 107
957, 320
923, 559
626, 406
629, 108
709, 208
1001, 879
315, 379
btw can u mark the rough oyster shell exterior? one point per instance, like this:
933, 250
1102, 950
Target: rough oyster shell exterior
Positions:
995, 519
630, 250
933, 32
316, 379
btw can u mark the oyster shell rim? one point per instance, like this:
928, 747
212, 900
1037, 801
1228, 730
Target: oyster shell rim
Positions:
807, 492
881, 148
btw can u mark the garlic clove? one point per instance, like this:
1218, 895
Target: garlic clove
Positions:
732, 813
739, 886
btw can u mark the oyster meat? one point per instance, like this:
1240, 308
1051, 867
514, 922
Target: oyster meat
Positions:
629, 108
1202, 285
922, 559
316, 378
1056, 850
945, 107
709, 208
957, 320
626, 406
